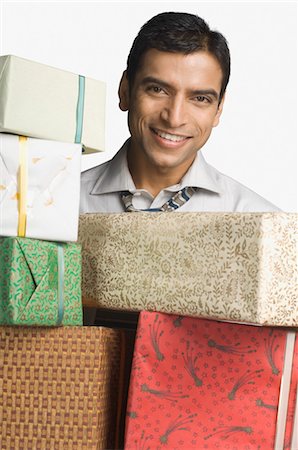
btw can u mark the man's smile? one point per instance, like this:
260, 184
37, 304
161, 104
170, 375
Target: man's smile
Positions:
169, 136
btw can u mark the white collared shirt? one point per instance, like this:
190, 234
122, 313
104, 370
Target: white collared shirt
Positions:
101, 187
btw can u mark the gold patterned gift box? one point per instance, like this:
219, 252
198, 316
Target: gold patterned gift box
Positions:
230, 266
59, 388
49, 103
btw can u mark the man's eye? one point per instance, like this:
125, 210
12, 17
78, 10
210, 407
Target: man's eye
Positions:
202, 99
155, 89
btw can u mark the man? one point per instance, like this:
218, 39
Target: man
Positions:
174, 91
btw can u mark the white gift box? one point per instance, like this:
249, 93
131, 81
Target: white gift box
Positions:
39, 188
41, 101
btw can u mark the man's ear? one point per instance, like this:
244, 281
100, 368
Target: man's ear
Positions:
218, 112
123, 93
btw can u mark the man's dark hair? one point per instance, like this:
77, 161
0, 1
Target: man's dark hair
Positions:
179, 33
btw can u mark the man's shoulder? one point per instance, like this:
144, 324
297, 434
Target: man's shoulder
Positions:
108, 168
95, 172
242, 197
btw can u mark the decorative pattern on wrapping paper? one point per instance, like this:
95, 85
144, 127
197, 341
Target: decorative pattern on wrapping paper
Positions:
235, 350
190, 365
271, 349
229, 261
177, 424
226, 432
46, 191
49, 192
247, 378
155, 338
177, 322
230, 360
291, 413
141, 444
137, 361
166, 395
262, 404
28, 299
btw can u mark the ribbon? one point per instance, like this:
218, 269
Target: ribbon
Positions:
284, 391
60, 255
23, 175
294, 443
80, 110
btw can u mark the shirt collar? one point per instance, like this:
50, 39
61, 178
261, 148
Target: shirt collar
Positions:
117, 178
201, 175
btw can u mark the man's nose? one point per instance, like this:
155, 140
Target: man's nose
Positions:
174, 112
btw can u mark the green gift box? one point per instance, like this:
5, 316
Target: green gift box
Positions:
40, 282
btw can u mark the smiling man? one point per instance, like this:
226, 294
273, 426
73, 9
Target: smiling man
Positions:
173, 89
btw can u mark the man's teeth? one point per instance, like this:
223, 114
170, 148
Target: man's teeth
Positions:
170, 137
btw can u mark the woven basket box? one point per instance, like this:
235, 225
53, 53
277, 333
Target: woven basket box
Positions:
238, 267
59, 388
48, 103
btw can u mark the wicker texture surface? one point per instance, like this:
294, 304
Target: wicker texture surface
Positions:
58, 387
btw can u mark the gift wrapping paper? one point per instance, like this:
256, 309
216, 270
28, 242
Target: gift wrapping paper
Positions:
45, 102
40, 282
59, 388
203, 384
231, 266
39, 188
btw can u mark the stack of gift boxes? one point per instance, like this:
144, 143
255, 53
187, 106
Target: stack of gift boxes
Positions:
56, 382
215, 361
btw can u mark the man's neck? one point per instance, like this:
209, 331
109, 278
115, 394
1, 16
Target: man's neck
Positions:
151, 178
153, 184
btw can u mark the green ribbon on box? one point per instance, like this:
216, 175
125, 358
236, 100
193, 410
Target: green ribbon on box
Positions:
80, 110
60, 284
56, 278
40, 283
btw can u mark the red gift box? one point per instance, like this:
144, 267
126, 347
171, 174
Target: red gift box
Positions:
202, 384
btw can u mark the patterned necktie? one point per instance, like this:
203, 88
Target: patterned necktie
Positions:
176, 201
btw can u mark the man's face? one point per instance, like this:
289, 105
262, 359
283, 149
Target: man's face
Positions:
173, 106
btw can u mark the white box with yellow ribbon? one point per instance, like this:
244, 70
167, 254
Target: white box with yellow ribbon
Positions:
39, 188
41, 101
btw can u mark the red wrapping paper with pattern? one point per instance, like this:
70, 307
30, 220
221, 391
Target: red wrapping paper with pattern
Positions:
202, 384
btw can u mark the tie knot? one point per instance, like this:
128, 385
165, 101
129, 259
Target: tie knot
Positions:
175, 202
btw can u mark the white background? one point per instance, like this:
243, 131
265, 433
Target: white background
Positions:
256, 141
